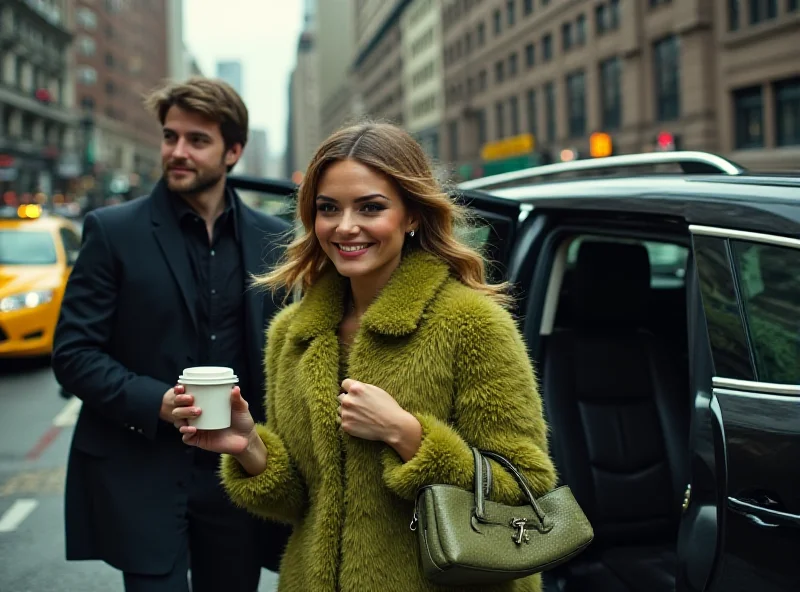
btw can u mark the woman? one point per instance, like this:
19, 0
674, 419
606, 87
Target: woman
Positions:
398, 359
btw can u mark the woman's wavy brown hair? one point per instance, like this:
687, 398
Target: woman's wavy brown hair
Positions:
389, 150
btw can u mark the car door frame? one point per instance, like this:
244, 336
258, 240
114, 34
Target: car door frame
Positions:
731, 404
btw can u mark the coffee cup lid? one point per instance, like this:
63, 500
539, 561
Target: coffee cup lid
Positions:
208, 375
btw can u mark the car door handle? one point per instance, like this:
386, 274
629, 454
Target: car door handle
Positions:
762, 516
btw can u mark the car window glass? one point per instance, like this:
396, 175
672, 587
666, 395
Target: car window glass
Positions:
769, 278
18, 247
667, 261
72, 242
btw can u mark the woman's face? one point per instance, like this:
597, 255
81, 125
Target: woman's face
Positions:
361, 220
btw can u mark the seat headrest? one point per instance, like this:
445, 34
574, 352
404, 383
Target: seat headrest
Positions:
612, 284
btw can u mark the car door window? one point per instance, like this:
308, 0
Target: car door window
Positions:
769, 278
72, 243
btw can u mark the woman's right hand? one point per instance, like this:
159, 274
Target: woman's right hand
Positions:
233, 440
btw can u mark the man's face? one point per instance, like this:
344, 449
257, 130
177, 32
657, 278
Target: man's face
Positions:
193, 154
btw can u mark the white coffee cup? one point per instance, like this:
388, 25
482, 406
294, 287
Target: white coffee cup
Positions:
211, 388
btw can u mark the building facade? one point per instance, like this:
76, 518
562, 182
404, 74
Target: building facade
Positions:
231, 72
421, 35
530, 81
38, 155
378, 64
305, 121
121, 53
335, 35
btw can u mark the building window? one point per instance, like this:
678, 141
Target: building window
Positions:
547, 47
532, 113
499, 71
86, 18
481, 34
110, 88
550, 110
733, 14
762, 10
748, 110
527, 7
580, 30
654, 3
499, 121
566, 33
453, 137
530, 55
482, 136
482, 80
510, 10
86, 45
613, 15
611, 93
109, 60
512, 65
792, 5
87, 104
667, 77
576, 104
498, 22
87, 75
513, 107
787, 112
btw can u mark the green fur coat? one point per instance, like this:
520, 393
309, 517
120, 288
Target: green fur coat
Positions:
447, 354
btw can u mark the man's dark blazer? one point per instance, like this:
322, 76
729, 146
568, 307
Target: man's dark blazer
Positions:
127, 329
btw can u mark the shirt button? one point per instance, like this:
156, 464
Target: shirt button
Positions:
212, 252
213, 338
213, 291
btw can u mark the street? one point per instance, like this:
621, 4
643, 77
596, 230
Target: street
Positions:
35, 430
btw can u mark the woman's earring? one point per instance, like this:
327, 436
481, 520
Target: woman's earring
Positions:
411, 234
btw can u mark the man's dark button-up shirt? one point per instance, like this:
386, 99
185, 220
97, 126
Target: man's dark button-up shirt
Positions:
219, 278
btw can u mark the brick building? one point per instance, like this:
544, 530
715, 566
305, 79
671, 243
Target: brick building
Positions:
121, 53
529, 80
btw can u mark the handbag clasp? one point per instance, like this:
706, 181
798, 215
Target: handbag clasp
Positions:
522, 535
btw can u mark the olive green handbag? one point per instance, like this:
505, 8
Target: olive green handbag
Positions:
465, 538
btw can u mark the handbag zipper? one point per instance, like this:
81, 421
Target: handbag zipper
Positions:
414, 521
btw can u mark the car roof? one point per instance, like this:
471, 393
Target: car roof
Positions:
747, 202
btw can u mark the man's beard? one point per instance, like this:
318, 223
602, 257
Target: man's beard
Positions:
201, 183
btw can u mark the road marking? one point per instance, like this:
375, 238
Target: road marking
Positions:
16, 514
35, 483
69, 414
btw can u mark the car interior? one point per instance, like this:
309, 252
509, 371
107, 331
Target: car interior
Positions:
613, 364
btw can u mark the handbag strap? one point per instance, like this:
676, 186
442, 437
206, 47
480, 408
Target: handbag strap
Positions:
482, 466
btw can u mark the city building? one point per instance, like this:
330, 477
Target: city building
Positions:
38, 155
231, 72
121, 53
758, 82
335, 39
256, 153
304, 98
532, 81
421, 35
378, 63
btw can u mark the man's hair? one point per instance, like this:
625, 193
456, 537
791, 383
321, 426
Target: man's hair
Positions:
213, 99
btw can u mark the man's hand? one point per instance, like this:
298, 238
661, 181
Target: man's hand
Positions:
168, 405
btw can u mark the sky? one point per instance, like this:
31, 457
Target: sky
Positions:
263, 35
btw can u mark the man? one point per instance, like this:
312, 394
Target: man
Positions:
160, 285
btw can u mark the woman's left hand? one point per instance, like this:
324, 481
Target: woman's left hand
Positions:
370, 413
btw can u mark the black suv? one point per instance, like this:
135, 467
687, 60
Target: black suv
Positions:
662, 310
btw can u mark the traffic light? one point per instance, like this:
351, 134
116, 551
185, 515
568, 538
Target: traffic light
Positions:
666, 141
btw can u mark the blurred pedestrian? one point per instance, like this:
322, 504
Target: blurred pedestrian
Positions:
160, 285
399, 357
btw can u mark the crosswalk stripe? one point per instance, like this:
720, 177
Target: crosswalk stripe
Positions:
16, 514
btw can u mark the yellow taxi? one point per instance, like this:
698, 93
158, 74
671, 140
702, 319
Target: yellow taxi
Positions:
37, 252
